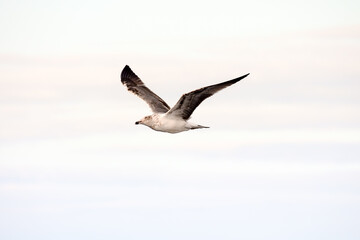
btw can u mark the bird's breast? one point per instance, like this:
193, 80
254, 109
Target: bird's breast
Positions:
171, 125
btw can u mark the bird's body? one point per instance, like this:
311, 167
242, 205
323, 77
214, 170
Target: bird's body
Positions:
165, 123
164, 118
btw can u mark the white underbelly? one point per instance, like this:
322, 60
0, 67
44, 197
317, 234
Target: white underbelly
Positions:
172, 125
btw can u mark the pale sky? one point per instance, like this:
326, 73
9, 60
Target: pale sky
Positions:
279, 161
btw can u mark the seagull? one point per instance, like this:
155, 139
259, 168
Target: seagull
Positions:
164, 118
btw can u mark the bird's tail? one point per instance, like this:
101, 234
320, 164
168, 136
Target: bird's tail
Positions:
197, 127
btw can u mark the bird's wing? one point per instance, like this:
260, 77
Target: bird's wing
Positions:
190, 101
136, 86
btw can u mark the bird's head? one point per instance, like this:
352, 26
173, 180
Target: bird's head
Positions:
145, 121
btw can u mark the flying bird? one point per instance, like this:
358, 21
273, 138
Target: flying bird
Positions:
164, 118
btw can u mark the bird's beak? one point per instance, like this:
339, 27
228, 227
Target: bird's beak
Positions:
137, 122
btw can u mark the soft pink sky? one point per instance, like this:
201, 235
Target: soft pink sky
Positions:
281, 154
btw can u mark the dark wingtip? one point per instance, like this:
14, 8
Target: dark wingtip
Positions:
126, 69
244, 76
239, 78
128, 73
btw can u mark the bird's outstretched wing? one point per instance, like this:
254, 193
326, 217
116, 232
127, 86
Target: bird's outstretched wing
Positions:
190, 101
136, 86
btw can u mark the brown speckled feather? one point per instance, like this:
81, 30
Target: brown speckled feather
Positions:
190, 101
136, 86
